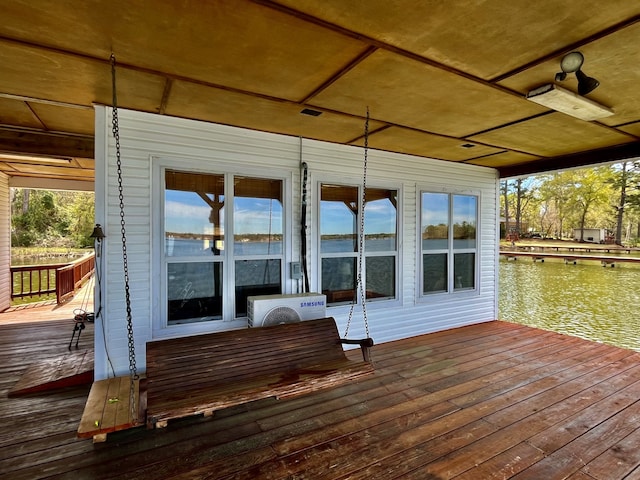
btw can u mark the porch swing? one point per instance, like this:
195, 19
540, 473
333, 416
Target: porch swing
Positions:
115, 403
197, 375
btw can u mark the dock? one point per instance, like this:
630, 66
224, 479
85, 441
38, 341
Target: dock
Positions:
605, 260
588, 248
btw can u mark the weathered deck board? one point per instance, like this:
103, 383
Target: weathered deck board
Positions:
69, 369
487, 401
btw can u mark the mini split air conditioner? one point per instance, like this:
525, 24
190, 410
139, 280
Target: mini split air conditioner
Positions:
266, 310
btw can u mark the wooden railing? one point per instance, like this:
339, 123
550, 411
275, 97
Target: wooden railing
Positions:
61, 278
72, 276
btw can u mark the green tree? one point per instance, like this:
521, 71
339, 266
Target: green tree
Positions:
34, 218
82, 216
589, 188
625, 179
553, 193
516, 195
51, 218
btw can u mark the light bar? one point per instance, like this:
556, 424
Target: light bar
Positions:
566, 101
11, 157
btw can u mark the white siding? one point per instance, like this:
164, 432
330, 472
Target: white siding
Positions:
5, 243
145, 136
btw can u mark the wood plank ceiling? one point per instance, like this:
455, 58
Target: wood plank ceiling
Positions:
445, 80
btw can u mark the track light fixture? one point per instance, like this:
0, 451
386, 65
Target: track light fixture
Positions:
572, 62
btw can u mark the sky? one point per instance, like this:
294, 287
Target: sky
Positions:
436, 207
186, 212
337, 219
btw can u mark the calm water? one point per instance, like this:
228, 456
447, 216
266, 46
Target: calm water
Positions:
44, 260
586, 300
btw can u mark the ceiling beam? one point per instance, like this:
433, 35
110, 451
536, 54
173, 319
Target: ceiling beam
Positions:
616, 153
45, 143
46, 183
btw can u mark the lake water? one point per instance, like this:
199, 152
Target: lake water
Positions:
585, 300
44, 260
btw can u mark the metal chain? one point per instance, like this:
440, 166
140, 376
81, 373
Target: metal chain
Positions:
133, 371
359, 283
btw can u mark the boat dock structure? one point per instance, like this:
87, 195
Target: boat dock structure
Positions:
571, 257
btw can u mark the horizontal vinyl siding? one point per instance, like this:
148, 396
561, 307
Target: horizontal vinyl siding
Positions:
5, 243
415, 317
144, 137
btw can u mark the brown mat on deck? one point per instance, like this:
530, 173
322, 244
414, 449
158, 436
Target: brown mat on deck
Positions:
73, 368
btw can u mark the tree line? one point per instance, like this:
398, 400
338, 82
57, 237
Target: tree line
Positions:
46, 218
554, 204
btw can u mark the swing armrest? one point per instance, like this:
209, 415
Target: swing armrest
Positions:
365, 345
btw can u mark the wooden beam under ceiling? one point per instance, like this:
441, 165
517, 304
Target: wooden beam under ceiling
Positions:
45, 143
617, 153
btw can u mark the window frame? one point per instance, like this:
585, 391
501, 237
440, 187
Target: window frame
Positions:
159, 165
450, 250
344, 307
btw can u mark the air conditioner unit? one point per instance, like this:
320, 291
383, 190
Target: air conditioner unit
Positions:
266, 310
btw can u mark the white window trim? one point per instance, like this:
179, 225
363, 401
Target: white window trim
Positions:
317, 180
158, 165
468, 292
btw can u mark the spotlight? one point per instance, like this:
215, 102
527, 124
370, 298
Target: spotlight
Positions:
586, 84
572, 62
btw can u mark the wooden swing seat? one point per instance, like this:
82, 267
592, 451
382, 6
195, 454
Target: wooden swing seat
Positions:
200, 374
108, 408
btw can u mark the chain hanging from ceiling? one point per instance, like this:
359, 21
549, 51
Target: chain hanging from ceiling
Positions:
359, 284
133, 371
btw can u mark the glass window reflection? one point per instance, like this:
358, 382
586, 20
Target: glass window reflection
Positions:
464, 221
339, 279
464, 271
435, 221
194, 292
381, 220
434, 270
338, 218
381, 278
257, 216
193, 214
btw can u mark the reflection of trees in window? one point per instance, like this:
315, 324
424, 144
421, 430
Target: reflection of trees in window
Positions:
464, 231
448, 242
435, 232
340, 210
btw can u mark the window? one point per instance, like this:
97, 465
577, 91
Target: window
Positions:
258, 239
340, 218
448, 242
212, 254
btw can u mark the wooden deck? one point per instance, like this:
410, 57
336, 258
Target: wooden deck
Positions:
51, 310
495, 400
